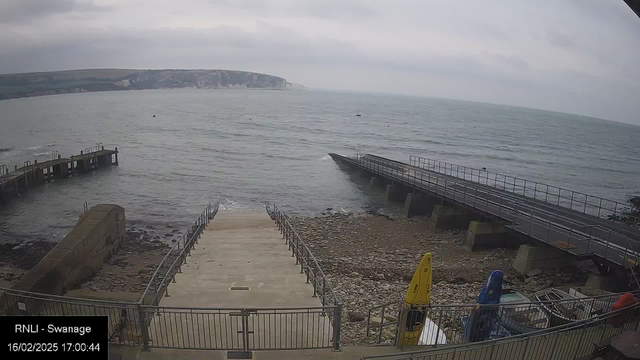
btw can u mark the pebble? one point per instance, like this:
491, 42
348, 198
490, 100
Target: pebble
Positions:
371, 261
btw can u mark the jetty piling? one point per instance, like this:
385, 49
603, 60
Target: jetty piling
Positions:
21, 179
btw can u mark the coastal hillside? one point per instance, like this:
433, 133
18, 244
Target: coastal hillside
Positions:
89, 80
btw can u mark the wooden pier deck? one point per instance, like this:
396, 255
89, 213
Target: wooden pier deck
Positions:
31, 174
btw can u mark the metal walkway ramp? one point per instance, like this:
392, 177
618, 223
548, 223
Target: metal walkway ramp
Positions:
528, 209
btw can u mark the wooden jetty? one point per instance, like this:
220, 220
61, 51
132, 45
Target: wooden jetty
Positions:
31, 174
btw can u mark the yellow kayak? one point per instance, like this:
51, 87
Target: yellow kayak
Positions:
418, 294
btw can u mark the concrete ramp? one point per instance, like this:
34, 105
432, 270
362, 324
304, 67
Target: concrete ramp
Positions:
239, 251
241, 289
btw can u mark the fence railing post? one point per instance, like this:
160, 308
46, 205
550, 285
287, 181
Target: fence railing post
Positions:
337, 323
143, 327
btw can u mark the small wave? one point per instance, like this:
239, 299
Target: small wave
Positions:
34, 147
2, 150
326, 157
228, 204
41, 153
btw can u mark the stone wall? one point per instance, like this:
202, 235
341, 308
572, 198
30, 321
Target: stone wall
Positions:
97, 235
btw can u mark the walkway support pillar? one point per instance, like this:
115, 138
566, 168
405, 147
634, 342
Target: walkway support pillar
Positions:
395, 193
484, 235
450, 217
420, 204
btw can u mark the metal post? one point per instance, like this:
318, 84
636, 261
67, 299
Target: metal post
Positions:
324, 284
143, 327
315, 283
294, 247
307, 261
586, 197
571, 203
600, 207
337, 323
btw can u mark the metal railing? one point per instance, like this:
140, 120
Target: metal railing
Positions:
146, 324
547, 226
125, 325
175, 258
309, 266
574, 200
566, 342
463, 323
308, 263
243, 329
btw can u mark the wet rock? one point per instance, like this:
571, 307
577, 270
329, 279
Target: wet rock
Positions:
356, 317
534, 272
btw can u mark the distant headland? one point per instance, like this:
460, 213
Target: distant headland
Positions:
90, 80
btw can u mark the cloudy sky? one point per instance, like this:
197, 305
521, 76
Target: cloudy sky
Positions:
577, 56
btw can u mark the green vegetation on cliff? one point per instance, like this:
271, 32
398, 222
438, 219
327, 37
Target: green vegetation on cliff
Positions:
74, 81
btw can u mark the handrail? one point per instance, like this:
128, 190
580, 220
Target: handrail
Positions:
524, 187
605, 297
437, 311
296, 243
176, 256
563, 329
503, 208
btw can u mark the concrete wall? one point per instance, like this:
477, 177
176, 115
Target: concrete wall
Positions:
541, 257
97, 235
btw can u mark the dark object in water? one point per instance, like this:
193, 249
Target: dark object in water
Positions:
154, 115
484, 168
358, 115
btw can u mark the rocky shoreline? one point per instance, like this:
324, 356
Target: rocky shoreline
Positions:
132, 267
370, 260
129, 270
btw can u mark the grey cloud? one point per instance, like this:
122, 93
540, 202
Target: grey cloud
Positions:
327, 9
559, 40
17, 11
490, 58
512, 60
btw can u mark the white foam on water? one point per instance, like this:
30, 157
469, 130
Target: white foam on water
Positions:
228, 204
326, 157
35, 147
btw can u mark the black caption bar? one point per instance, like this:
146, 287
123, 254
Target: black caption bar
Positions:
40, 337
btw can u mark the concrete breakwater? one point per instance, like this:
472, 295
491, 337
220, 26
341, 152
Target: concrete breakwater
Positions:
31, 174
97, 235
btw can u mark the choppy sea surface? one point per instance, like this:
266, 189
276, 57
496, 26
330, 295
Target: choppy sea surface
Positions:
245, 148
